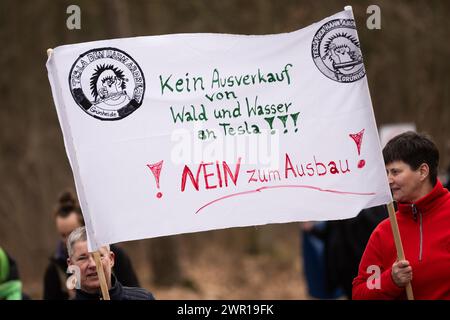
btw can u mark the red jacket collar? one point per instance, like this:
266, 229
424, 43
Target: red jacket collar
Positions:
427, 202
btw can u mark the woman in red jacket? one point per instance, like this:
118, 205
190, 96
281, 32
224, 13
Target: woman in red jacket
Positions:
424, 222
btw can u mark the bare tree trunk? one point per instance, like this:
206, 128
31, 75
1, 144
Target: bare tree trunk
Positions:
164, 258
118, 17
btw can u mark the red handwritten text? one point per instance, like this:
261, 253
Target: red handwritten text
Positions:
212, 175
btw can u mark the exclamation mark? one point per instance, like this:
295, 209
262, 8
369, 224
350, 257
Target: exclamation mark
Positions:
358, 137
270, 122
283, 119
156, 170
294, 117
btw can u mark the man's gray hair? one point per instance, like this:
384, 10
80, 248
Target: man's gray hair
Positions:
79, 234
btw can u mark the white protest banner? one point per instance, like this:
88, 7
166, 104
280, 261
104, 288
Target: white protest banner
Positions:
190, 132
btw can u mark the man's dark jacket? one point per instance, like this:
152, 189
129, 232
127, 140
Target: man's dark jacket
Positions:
117, 292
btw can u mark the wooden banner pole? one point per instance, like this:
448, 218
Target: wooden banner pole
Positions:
398, 244
101, 276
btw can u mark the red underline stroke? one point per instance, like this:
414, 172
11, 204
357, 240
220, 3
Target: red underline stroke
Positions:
285, 186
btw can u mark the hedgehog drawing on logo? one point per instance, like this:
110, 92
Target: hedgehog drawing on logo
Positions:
342, 53
107, 85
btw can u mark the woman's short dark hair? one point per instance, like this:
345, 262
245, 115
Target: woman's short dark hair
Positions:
67, 204
413, 149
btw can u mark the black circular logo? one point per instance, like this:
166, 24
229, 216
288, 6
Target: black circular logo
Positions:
336, 52
107, 83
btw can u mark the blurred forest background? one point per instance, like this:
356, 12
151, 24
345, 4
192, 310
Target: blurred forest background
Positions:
407, 63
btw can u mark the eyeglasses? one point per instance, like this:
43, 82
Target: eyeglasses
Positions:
85, 258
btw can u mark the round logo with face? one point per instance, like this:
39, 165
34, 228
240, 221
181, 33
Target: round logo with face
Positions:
107, 83
336, 52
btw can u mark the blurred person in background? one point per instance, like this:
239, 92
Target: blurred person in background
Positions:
68, 217
10, 284
332, 251
313, 237
345, 243
447, 184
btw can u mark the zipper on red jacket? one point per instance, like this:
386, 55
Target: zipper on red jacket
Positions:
415, 211
421, 236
